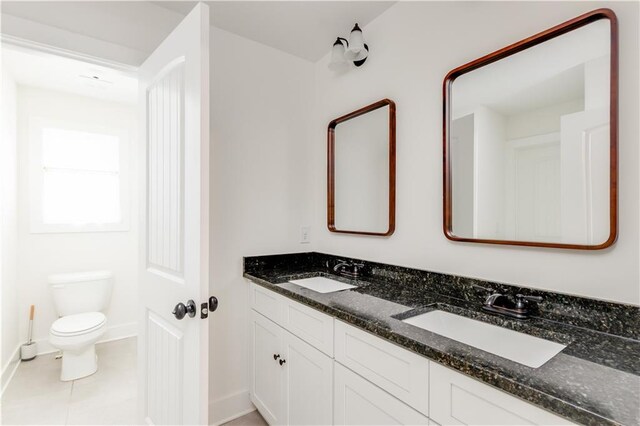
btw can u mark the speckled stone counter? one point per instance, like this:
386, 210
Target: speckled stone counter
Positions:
595, 380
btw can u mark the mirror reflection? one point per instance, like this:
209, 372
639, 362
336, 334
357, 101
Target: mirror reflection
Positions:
529, 143
362, 169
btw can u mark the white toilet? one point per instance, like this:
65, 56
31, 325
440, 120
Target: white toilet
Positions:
79, 300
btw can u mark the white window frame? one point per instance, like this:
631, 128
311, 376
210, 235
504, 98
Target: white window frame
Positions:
37, 226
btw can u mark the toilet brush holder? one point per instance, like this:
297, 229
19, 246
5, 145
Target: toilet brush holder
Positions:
28, 351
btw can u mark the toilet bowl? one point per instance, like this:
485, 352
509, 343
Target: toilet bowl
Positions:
79, 299
76, 335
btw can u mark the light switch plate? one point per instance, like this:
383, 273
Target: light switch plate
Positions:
305, 234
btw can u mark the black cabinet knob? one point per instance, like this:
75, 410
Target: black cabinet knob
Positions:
276, 356
282, 361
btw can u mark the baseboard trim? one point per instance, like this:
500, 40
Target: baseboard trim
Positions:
10, 369
114, 332
230, 407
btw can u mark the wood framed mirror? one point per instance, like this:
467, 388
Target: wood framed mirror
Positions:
531, 140
361, 172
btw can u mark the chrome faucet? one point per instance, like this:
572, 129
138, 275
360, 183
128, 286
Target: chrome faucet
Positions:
349, 269
519, 308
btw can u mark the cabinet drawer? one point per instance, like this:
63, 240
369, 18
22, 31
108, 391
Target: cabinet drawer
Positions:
360, 402
403, 374
310, 325
266, 302
460, 400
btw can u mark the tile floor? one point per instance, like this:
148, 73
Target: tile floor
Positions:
252, 419
37, 396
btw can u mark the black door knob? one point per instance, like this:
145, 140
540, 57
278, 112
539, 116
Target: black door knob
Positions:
181, 310
213, 303
191, 308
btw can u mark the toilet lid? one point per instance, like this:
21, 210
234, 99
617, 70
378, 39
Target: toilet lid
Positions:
78, 323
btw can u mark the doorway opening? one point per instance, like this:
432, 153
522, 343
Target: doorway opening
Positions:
70, 204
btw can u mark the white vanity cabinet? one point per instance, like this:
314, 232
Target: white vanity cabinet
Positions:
308, 384
359, 402
456, 399
266, 376
309, 368
401, 373
291, 381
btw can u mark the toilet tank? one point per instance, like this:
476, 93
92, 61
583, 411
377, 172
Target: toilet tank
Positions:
81, 292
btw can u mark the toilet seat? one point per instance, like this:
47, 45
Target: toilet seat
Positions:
78, 324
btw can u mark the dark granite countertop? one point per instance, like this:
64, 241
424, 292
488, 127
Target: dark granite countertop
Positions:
595, 380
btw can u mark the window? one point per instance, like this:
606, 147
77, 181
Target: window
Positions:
77, 179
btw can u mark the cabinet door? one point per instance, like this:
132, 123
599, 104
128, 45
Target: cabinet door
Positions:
308, 383
359, 402
456, 399
266, 378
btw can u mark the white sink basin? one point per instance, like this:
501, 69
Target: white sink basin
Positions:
519, 347
322, 284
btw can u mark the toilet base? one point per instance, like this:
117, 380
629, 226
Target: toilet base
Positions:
76, 365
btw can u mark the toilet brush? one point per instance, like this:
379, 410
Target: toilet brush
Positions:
28, 350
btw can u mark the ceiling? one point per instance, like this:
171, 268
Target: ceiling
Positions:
117, 22
62, 74
306, 29
563, 87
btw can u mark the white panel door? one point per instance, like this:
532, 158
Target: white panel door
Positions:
585, 162
308, 383
359, 402
266, 376
537, 192
174, 102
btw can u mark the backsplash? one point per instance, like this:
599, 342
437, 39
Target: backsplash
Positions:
607, 317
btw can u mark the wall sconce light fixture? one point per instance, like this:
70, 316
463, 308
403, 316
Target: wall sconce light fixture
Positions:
353, 50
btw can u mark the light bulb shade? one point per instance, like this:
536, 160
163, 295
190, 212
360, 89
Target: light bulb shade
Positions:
337, 52
356, 50
338, 61
356, 56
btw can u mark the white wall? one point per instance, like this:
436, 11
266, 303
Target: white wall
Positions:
8, 229
261, 100
540, 121
40, 255
413, 46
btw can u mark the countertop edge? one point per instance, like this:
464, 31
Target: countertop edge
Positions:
490, 377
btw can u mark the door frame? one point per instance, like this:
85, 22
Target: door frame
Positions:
45, 49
